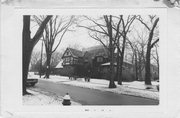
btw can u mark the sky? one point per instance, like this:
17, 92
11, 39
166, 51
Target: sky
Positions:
78, 38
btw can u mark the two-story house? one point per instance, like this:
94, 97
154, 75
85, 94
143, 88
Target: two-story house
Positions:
73, 62
92, 62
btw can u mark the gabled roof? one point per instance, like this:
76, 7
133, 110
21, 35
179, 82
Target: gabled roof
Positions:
96, 51
88, 52
115, 63
76, 53
59, 65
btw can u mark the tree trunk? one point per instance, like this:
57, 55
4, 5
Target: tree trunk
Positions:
112, 73
48, 63
26, 60
28, 45
118, 64
148, 54
117, 60
136, 67
120, 71
121, 61
147, 67
108, 21
27, 50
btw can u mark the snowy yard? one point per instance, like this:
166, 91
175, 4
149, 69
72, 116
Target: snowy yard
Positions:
44, 98
135, 88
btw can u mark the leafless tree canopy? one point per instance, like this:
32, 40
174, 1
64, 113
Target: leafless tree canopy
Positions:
54, 32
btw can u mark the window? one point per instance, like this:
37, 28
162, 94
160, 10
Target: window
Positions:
68, 59
99, 59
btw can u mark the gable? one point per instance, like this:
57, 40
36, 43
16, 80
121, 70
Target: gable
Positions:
76, 53
67, 53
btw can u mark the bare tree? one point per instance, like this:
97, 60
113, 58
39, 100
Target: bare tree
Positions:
153, 25
102, 28
55, 30
108, 21
141, 43
28, 45
134, 56
34, 60
110, 28
126, 24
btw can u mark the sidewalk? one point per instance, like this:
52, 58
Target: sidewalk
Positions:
135, 88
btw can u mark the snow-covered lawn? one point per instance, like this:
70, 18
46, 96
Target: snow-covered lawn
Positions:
43, 98
135, 88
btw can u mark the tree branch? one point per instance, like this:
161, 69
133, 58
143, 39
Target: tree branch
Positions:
154, 42
98, 39
93, 29
139, 19
39, 32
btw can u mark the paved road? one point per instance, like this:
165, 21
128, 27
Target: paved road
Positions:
87, 96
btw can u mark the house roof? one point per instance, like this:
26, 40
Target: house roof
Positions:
96, 51
89, 52
59, 65
76, 53
115, 63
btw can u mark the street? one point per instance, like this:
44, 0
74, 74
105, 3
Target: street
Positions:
87, 96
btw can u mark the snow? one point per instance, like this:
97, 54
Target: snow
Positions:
43, 98
135, 88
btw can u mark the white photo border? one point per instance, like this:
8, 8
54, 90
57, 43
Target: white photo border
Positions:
12, 83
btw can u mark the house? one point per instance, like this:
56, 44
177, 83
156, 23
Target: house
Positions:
94, 57
80, 63
72, 57
127, 71
58, 69
93, 62
73, 62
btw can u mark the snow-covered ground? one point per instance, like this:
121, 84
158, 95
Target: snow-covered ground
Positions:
43, 98
135, 88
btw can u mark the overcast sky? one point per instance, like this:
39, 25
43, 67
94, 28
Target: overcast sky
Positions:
80, 36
